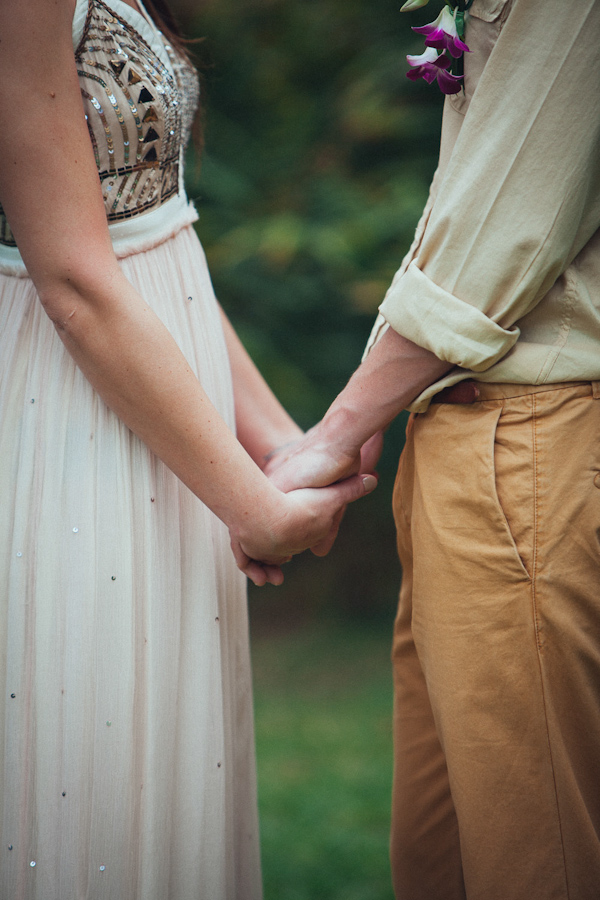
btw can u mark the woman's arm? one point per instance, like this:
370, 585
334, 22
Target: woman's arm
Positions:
51, 194
263, 425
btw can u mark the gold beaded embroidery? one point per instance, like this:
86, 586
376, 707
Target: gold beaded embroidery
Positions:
112, 100
131, 100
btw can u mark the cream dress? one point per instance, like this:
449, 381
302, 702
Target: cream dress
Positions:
127, 746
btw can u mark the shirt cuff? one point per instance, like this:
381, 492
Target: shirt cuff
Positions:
455, 331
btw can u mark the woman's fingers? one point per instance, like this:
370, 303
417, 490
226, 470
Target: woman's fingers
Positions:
323, 547
259, 573
272, 574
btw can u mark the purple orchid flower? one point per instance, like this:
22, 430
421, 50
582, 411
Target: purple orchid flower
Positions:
443, 35
431, 65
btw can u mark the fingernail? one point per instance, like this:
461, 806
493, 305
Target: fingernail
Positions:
370, 483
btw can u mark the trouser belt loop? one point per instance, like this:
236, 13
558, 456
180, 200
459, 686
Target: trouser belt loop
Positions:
596, 390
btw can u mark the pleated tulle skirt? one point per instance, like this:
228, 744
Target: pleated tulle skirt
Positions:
127, 752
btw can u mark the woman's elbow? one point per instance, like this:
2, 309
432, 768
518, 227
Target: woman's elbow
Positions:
66, 297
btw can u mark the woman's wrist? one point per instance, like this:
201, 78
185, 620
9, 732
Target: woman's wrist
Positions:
255, 517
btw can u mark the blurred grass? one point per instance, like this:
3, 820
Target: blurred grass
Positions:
323, 699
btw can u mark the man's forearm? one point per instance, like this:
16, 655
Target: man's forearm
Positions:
394, 373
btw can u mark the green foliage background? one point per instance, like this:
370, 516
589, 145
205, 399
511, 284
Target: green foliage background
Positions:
318, 156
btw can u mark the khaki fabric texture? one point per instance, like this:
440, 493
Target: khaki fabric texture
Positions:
497, 649
503, 277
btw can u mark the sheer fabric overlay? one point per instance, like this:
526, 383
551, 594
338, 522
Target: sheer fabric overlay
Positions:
126, 747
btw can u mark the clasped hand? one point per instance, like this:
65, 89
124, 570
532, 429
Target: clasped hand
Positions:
315, 482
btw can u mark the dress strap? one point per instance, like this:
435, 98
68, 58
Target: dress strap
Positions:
81, 16
147, 16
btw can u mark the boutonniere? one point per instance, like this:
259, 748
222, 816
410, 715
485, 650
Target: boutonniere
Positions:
444, 46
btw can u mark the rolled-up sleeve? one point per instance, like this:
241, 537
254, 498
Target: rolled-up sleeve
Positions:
520, 194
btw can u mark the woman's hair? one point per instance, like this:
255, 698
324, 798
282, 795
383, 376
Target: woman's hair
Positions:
168, 24
163, 17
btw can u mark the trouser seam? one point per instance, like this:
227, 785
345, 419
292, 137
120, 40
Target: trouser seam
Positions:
537, 625
535, 521
400, 473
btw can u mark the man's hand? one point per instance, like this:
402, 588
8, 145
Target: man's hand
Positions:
308, 462
304, 518
348, 439
313, 462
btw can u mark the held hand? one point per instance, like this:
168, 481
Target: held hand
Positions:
275, 458
303, 518
301, 465
309, 461
313, 462
369, 457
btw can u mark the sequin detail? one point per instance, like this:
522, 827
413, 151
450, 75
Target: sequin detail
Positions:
138, 115
136, 93
6, 235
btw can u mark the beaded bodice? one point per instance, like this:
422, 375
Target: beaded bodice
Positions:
139, 100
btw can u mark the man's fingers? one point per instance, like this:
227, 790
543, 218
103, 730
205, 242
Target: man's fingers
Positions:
343, 492
351, 489
327, 505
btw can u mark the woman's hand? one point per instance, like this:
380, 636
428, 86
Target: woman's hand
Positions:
298, 520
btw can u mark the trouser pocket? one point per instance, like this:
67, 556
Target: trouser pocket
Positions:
514, 477
468, 502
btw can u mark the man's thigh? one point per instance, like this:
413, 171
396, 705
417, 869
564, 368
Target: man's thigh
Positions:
499, 623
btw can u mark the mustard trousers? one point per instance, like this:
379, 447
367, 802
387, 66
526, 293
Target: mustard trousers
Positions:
497, 649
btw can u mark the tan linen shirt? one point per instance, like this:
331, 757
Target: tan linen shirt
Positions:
503, 277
